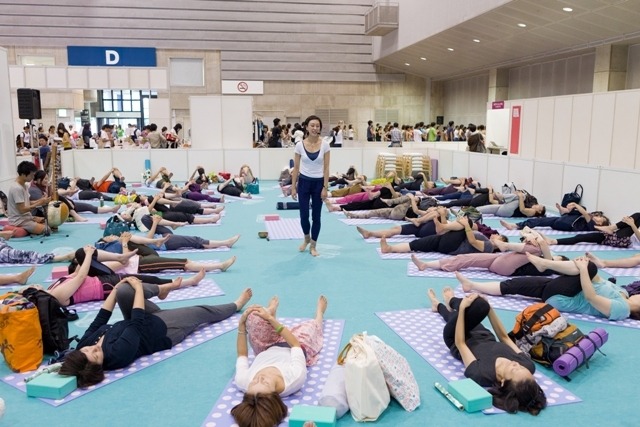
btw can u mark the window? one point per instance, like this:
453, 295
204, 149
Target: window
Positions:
186, 72
32, 60
387, 115
331, 117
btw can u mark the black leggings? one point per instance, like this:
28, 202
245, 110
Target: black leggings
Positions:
411, 185
473, 317
90, 194
476, 201
545, 287
444, 243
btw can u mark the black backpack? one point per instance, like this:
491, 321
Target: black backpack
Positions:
54, 320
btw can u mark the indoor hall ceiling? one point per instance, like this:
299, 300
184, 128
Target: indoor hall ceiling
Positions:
550, 32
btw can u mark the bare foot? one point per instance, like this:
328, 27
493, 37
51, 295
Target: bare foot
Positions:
79, 218
305, 243
413, 221
321, 308
228, 263
178, 224
594, 259
312, 249
420, 264
115, 208
124, 258
161, 240
467, 285
508, 225
24, 276
365, 233
384, 246
166, 288
222, 198
447, 293
231, 241
194, 280
244, 298
274, 302
218, 209
7, 234
434, 300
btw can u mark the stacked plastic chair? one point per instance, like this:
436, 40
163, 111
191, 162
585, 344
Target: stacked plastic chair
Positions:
388, 162
416, 162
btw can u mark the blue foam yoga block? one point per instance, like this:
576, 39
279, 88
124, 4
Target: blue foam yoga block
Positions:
323, 416
472, 396
51, 386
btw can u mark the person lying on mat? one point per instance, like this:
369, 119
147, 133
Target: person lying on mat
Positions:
396, 209
512, 263
514, 205
10, 255
104, 184
375, 202
146, 329
495, 363
193, 191
161, 202
423, 226
69, 189
94, 281
171, 218
454, 242
200, 177
573, 218
615, 235
234, 186
247, 174
579, 290
163, 177
143, 259
166, 242
280, 366
343, 178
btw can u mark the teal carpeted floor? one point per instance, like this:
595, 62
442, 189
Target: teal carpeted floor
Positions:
182, 390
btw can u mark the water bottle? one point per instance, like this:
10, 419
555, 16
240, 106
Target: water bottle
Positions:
101, 201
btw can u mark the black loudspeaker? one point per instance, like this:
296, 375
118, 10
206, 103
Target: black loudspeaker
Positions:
29, 104
439, 120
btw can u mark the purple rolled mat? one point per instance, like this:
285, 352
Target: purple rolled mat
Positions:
575, 356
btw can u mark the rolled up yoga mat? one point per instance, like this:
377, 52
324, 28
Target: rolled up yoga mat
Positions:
577, 355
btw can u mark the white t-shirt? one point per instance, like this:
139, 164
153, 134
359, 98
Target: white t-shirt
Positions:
298, 136
289, 361
417, 135
106, 137
312, 168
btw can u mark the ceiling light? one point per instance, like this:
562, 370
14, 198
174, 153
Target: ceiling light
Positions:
567, 9
521, 25
423, 58
476, 40
407, 64
450, 49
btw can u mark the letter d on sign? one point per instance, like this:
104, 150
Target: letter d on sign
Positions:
112, 57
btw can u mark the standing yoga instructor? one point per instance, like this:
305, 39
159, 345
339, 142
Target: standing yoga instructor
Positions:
310, 180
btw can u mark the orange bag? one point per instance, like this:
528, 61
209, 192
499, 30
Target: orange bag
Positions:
20, 333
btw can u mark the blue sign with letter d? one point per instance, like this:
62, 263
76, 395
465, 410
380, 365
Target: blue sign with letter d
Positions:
111, 56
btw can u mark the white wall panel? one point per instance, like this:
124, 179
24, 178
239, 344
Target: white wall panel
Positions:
615, 204
235, 158
174, 160
159, 111
498, 170
56, 77
158, 79
343, 158
460, 163
139, 78
92, 163
273, 160
529, 128
581, 128
445, 164
544, 131
206, 121
237, 114
625, 130
131, 163
561, 135
16, 77
98, 78
35, 77
601, 128
547, 182
210, 160
118, 78
67, 163
589, 177
479, 168
521, 172
77, 77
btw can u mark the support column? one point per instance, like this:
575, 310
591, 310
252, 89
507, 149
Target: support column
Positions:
498, 84
610, 72
437, 100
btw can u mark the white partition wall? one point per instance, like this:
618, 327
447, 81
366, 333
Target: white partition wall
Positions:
7, 148
237, 116
159, 111
206, 121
